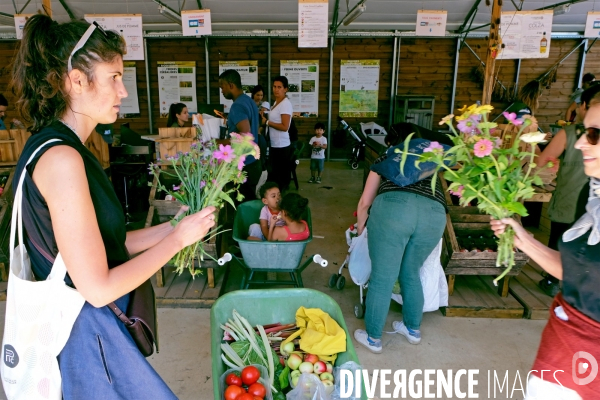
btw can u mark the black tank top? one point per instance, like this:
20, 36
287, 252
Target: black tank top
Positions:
39, 235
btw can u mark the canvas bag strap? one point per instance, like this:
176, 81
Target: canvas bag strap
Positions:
16, 226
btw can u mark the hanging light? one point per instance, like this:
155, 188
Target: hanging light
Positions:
170, 14
356, 12
7, 19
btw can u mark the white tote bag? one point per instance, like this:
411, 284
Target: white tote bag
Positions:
39, 319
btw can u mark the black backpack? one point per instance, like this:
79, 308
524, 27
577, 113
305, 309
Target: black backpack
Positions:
293, 131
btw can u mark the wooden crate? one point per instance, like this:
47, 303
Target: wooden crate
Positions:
11, 145
99, 148
173, 140
162, 211
6, 176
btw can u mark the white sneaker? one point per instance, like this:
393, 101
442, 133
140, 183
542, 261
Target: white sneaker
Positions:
413, 337
363, 338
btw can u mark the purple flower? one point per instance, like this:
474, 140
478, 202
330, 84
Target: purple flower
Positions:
224, 153
176, 188
468, 125
202, 184
512, 118
434, 147
483, 148
241, 162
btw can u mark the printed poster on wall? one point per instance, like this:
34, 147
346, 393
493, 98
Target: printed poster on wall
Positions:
592, 24
359, 88
431, 22
20, 20
196, 23
525, 34
177, 84
129, 26
313, 27
130, 106
303, 88
248, 72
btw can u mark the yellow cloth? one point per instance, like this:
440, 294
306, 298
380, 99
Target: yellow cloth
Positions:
319, 334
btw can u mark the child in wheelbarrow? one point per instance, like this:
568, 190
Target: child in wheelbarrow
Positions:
271, 197
293, 206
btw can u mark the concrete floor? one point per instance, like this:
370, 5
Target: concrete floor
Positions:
448, 343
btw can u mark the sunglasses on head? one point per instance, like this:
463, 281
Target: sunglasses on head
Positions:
83, 41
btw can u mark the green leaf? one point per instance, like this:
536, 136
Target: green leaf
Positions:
537, 180
405, 152
517, 208
283, 378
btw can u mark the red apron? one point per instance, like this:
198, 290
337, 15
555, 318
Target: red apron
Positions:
561, 350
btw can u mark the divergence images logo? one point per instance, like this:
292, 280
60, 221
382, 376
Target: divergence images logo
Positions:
11, 358
580, 368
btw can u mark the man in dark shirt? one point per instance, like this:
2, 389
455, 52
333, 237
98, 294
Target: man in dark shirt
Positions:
243, 118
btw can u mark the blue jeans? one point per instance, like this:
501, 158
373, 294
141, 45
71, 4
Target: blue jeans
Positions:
317, 164
403, 230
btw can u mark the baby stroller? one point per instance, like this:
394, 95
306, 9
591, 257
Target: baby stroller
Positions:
357, 152
359, 266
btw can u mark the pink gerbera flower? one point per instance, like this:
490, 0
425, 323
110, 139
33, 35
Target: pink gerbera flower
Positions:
458, 192
483, 148
512, 118
224, 153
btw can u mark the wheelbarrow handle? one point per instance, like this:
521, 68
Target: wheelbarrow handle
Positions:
320, 260
225, 259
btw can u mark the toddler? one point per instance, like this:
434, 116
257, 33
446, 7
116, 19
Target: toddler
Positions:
293, 206
271, 197
317, 156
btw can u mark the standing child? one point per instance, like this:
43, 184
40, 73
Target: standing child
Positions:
271, 197
317, 157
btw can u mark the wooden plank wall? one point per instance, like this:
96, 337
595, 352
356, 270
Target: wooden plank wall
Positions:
426, 66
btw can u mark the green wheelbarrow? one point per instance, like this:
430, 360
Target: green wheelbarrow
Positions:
268, 306
268, 256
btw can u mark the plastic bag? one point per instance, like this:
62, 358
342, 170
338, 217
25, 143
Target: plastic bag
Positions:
337, 391
433, 280
359, 264
210, 126
309, 387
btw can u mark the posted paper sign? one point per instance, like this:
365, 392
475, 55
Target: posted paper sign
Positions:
313, 27
196, 23
129, 26
248, 72
177, 84
20, 20
525, 34
359, 88
130, 106
431, 22
303, 88
592, 25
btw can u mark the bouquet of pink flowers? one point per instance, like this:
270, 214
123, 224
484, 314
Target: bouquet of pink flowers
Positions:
204, 173
498, 178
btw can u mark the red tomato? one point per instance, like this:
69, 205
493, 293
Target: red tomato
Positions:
233, 392
250, 375
258, 398
256, 389
233, 379
245, 396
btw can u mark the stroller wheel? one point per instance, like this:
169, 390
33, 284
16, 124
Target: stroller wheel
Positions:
359, 311
349, 161
341, 282
354, 165
332, 281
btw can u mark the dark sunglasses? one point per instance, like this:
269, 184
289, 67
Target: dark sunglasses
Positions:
591, 134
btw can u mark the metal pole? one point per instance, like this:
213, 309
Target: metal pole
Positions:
147, 65
394, 83
269, 69
582, 62
517, 77
207, 62
330, 97
456, 59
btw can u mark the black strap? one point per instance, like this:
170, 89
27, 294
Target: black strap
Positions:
124, 318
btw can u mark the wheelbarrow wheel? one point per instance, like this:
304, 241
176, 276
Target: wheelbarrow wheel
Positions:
359, 311
341, 282
332, 281
354, 165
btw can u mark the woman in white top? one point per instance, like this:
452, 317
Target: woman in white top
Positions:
280, 118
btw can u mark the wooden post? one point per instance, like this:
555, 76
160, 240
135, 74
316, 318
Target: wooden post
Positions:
490, 62
47, 5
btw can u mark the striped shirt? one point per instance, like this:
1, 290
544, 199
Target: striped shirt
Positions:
422, 188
